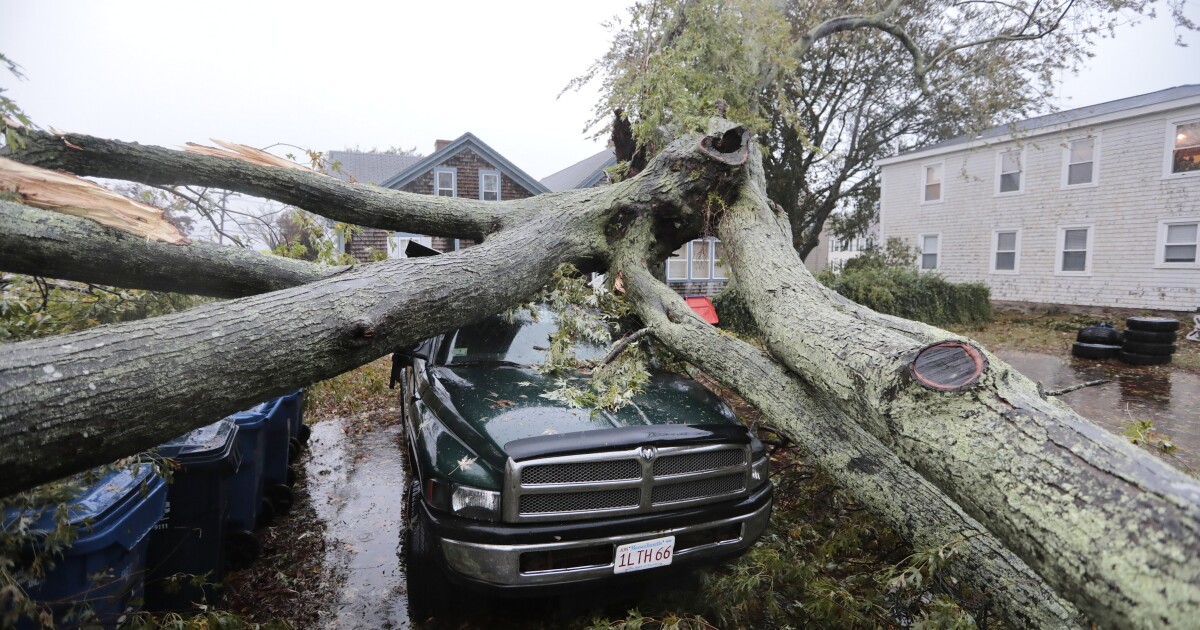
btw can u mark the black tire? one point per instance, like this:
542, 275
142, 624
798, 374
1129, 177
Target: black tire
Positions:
293, 449
1099, 334
1149, 336
241, 548
1134, 358
304, 433
1149, 348
429, 592
1156, 324
291, 476
281, 497
266, 513
1094, 350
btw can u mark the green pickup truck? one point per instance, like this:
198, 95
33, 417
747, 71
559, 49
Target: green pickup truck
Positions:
516, 492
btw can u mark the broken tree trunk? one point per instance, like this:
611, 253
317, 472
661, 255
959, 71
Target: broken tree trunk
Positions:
1116, 531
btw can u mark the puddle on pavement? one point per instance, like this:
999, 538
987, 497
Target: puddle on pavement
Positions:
1168, 398
357, 488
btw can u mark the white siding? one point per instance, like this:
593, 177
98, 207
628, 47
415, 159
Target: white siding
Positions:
1124, 208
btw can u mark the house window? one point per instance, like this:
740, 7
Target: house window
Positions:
1075, 250
931, 245
1005, 246
931, 188
1010, 172
445, 182
1081, 162
1185, 152
701, 259
1178, 241
489, 185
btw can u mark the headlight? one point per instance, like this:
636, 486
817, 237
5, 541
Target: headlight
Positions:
475, 503
758, 472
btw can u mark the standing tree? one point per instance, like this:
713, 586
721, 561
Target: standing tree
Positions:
936, 436
826, 108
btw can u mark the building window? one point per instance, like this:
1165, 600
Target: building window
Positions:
489, 185
1005, 247
701, 259
1185, 147
1178, 241
931, 245
931, 183
1075, 250
445, 182
1009, 165
1081, 162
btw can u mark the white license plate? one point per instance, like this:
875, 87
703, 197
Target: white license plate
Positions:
646, 554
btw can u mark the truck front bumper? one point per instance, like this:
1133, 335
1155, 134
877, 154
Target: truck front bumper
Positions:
505, 558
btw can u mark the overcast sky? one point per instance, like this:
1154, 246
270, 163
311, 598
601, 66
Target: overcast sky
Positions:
332, 75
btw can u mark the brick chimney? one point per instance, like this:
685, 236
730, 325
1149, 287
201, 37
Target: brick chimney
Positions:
438, 144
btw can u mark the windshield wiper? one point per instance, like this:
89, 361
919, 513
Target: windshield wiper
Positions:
470, 364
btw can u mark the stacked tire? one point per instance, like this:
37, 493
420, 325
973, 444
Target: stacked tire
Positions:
1149, 340
1101, 341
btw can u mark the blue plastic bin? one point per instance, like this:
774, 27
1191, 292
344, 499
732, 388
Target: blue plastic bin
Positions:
277, 453
105, 566
190, 538
246, 508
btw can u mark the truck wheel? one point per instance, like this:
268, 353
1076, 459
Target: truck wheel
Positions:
1094, 350
1099, 334
1149, 336
428, 589
1159, 324
1134, 358
1149, 348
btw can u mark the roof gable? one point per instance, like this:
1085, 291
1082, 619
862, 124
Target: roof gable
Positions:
582, 174
465, 141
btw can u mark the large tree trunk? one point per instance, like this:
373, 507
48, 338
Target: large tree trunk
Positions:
1109, 527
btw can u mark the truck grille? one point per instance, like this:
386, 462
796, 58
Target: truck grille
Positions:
596, 485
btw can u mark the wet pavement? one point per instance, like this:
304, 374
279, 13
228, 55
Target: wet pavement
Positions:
357, 488
1168, 398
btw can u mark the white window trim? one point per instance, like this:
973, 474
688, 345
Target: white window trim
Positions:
921, 249
1016, 270
482, 172
453, 178
1169, 153
922, 183
689, 258
1066, 165
1058, 251
1161, 244
1024, 171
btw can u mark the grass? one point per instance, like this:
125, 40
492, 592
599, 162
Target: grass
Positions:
1054, 334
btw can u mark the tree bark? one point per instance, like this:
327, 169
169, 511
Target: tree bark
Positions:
48, 243
1115, 530
858, 461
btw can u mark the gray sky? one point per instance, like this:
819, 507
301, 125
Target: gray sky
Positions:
330, 75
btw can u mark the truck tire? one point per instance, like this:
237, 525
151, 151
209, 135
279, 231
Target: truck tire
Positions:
1099, 334
1134, 358
1094, 350
1156, 324
1149, 336
428, 589
1141, 347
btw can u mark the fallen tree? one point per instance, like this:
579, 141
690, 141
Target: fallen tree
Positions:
939, 438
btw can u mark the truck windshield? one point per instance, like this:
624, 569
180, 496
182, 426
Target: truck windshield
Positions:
515, 341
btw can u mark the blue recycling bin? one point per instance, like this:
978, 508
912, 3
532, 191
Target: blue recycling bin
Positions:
246, 507
300, 431
277, 481
190, 538
100, 576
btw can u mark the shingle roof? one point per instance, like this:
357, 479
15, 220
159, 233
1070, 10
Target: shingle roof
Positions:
583, 174
1067, 117
368, 168
422, 165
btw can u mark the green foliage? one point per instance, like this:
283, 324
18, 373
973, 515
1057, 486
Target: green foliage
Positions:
11, 116
304, 236
1143, 434
884, 280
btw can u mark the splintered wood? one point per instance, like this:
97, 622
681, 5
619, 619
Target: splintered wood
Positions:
72, 195
234, 151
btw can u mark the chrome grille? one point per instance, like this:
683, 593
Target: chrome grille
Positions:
578, 501
596, 485
689, 490
697, 462
582, 472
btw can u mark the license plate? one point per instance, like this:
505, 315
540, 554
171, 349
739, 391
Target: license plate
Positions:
646, 554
